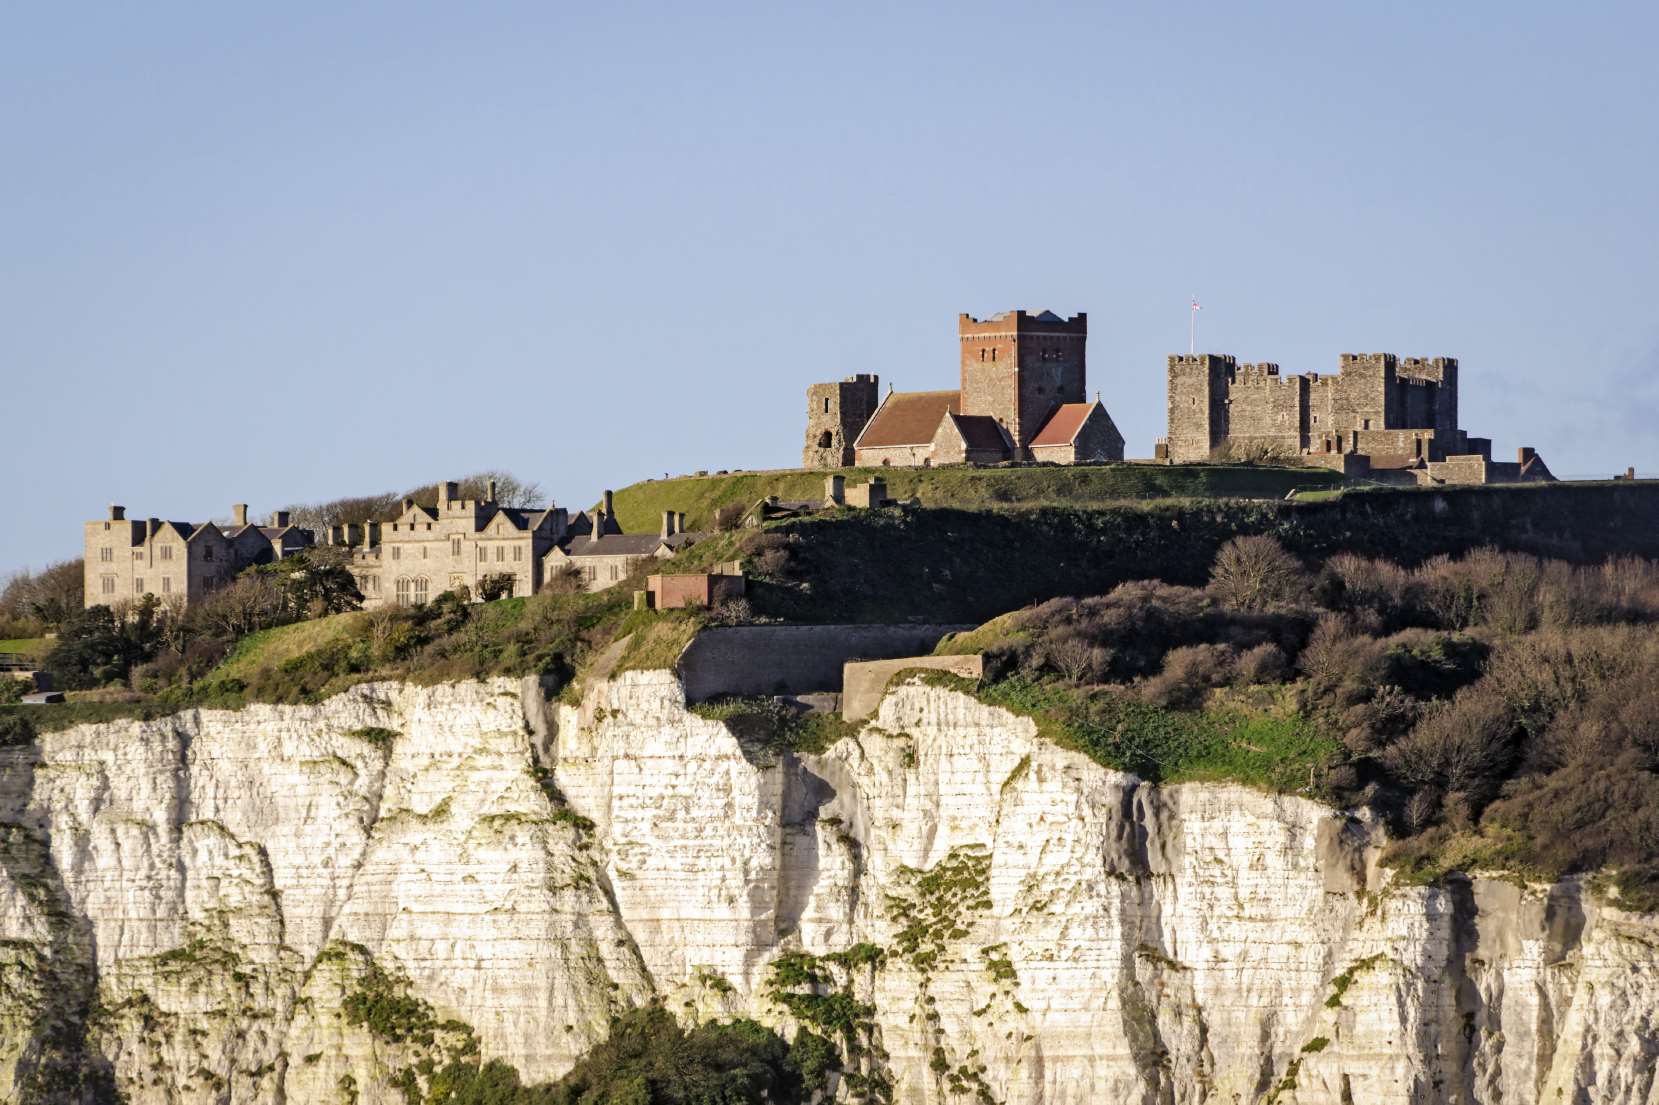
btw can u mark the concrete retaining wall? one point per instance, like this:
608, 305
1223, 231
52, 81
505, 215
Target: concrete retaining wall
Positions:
863, 683
793, 659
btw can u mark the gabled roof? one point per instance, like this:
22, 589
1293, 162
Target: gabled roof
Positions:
979, 431
908, 418
1065, 423
615, 544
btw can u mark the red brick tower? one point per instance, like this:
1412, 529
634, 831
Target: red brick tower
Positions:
1017, 367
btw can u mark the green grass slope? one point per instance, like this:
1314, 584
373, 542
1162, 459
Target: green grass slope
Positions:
639, 507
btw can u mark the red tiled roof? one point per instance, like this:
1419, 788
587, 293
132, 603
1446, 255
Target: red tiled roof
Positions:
909, 418
980, 431
1062, 426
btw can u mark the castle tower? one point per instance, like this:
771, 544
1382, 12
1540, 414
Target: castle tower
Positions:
1199, 386
835, 416
1017, 367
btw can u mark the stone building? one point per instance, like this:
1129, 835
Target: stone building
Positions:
1018, 371
128, 558
1379, 414
606, 556
457, 543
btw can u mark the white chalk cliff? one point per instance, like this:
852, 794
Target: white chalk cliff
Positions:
187, 907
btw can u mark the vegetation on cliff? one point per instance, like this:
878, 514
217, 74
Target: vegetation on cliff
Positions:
1496, 709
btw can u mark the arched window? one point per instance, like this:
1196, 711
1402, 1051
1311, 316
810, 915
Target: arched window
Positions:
420, 590
824, 440
402, 591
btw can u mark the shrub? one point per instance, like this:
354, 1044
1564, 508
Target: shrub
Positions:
497, 585
15, 729
1256, 573
1189, 674
1265, 663
729, 517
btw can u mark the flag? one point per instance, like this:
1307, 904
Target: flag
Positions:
1195, 306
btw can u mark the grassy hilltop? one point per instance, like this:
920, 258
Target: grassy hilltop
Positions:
639, 507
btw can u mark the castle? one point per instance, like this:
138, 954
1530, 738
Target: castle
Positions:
1021, 397
1381, 416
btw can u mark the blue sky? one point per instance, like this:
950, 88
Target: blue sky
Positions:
310, 250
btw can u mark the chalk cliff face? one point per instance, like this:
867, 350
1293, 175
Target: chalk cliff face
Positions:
195, 909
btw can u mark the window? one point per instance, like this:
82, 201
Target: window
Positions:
480, 554
423, 552
993, 353
402, 592
420, 590
397, 552
826, 404
138, 554
500, 553
166, 552
613, 573
592, 573
518, 553
982, 354
106, 555
454, 546
108, 585
207, 552
166, 585
138, 586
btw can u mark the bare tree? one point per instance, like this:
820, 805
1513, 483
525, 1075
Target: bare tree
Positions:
1256, 573
252, 603
50, 596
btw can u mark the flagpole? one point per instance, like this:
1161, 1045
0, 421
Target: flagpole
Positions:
1192, 327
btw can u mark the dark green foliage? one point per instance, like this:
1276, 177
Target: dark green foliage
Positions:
650, 1059
15, 729
496, 586
95, 647
765, 727
313, 583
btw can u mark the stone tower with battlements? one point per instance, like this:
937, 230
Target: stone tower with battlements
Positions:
836, 413
1398, 409
1017, 367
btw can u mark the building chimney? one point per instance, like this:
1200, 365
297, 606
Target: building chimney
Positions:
489, 491
407, 503
450, 491
279, 519
667, 524
1629, 474
598, 530
117, 513
1525, 453
835, 489
610, 509
150, 526
239, 514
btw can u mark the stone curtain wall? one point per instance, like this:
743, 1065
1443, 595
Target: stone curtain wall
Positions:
793, 659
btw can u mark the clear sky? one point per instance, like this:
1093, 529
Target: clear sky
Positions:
291, 252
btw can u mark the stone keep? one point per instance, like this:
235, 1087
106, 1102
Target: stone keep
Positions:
836, 412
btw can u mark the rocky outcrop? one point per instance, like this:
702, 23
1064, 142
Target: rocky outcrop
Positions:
207, 908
